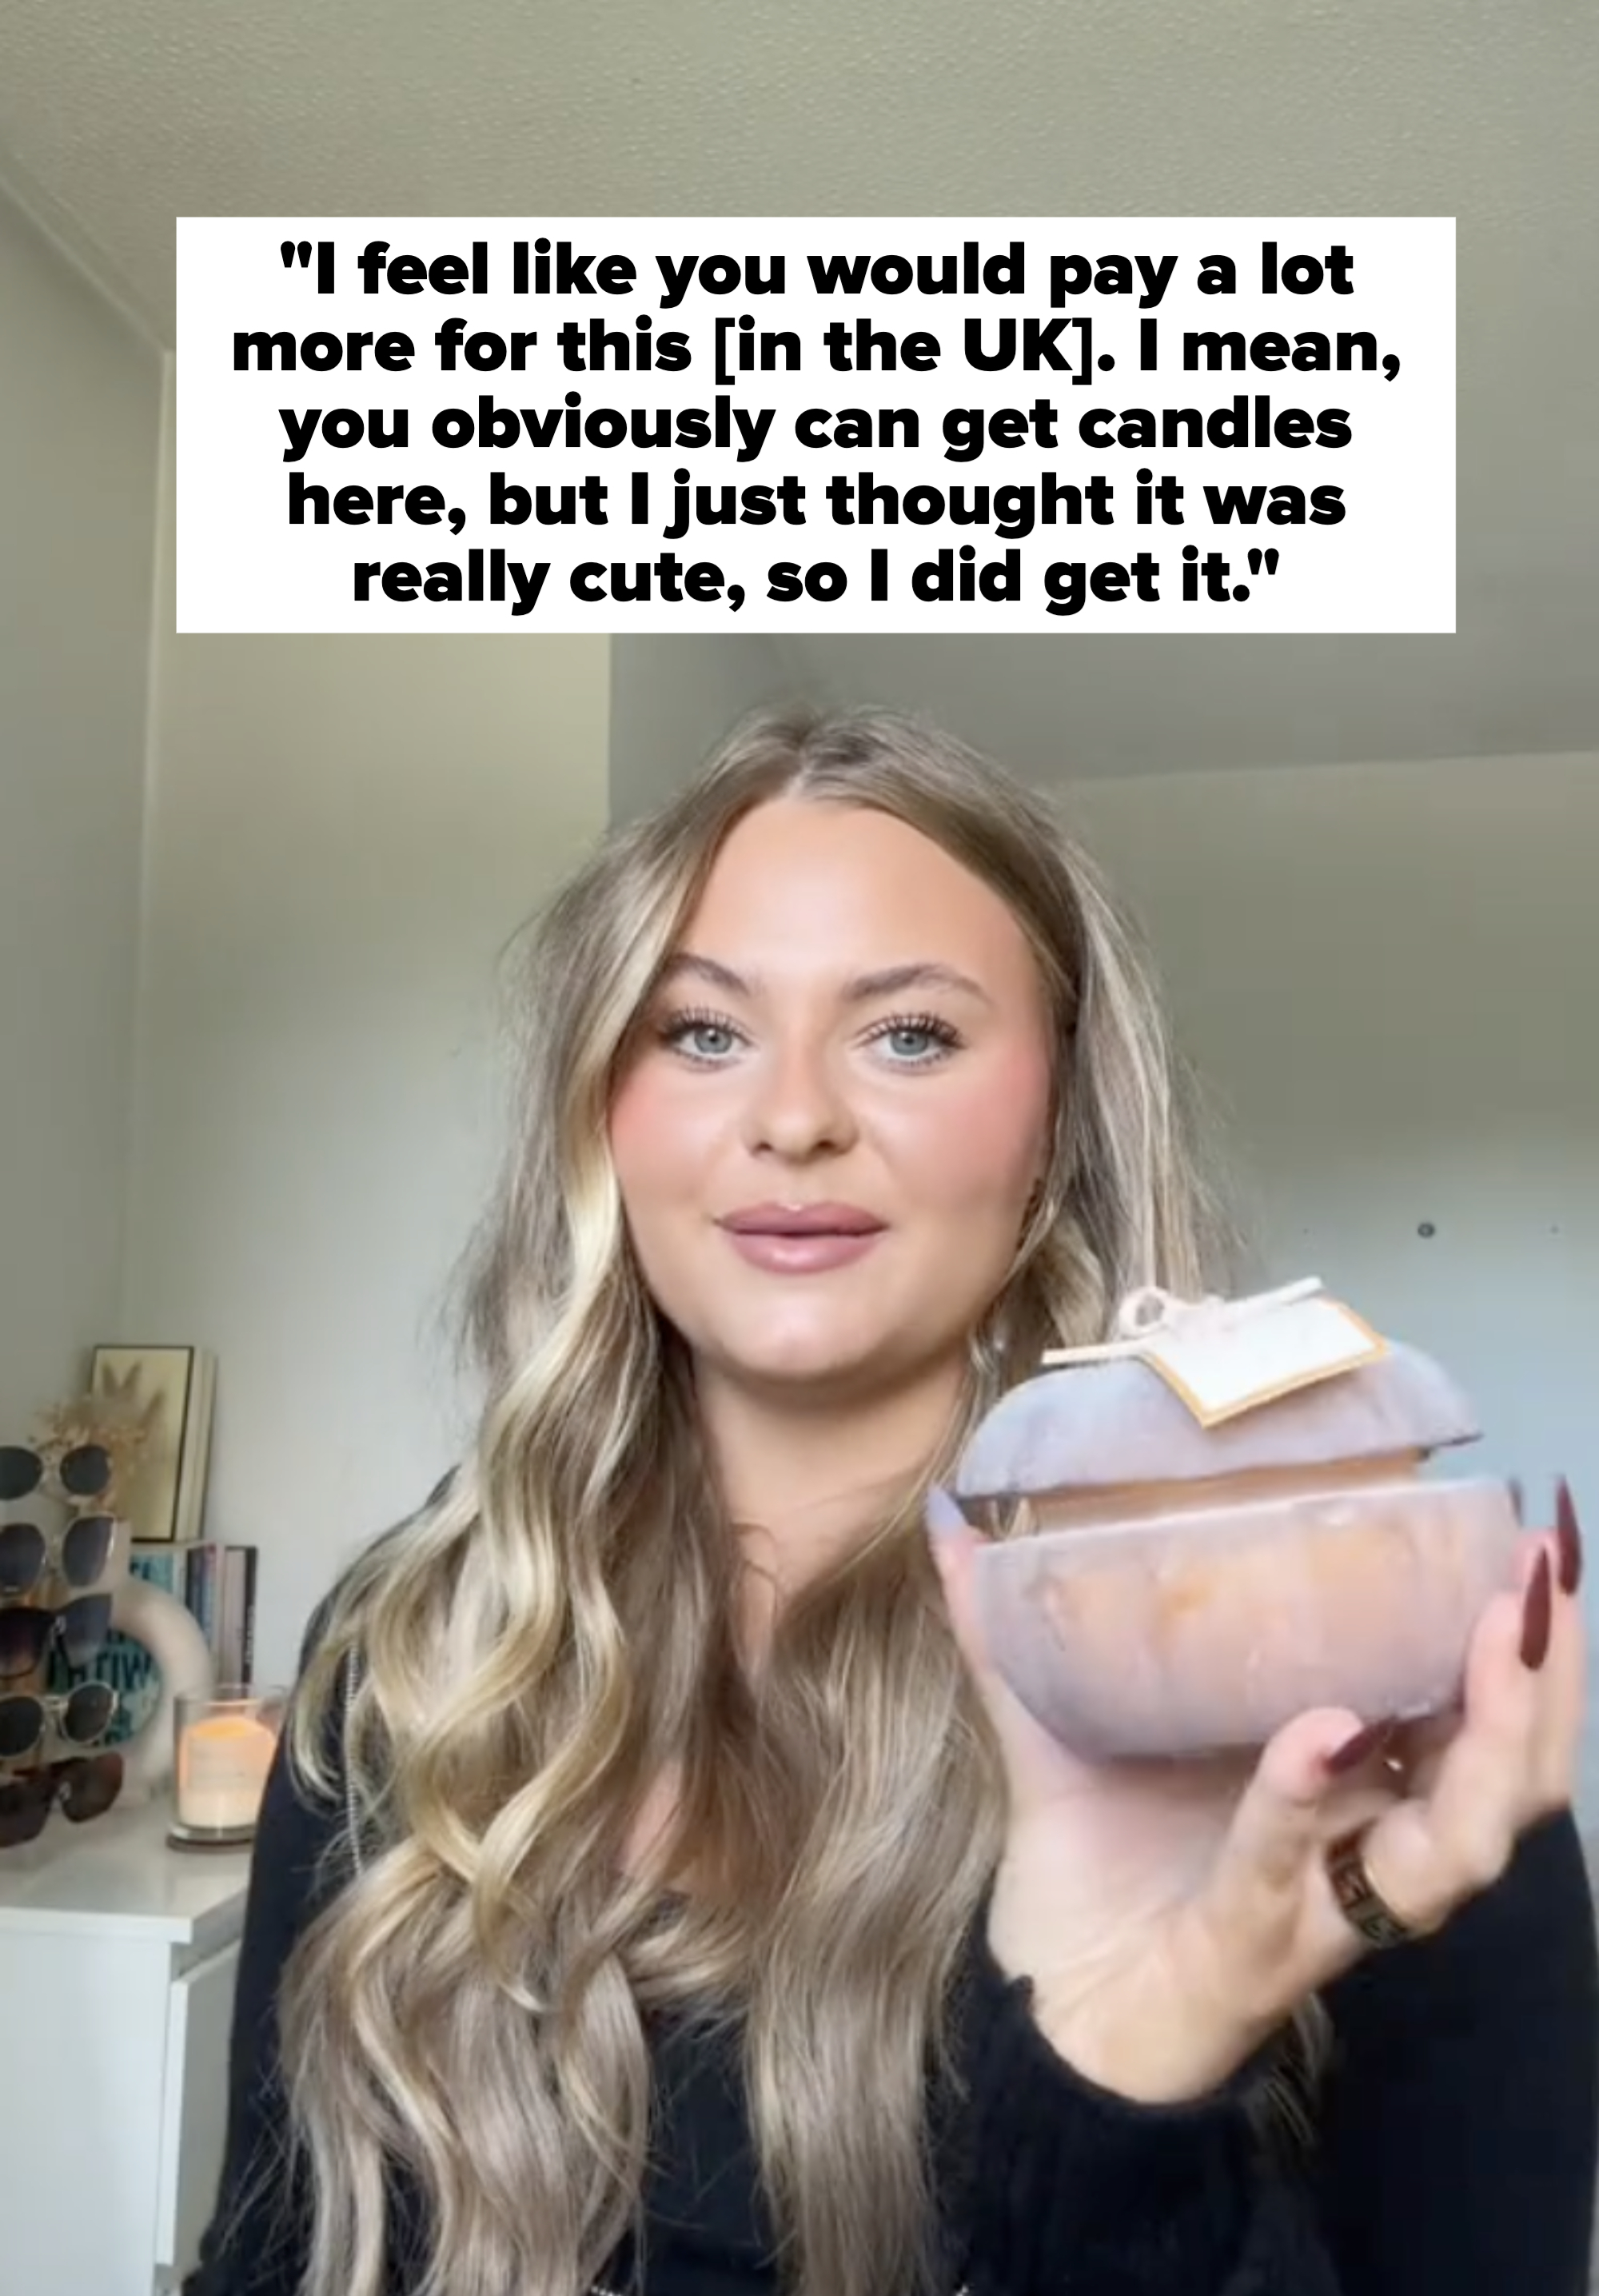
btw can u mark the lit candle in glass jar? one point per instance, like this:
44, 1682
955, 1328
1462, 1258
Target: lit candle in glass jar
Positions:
226, 1746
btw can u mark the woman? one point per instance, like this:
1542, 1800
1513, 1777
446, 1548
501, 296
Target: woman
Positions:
664, 1893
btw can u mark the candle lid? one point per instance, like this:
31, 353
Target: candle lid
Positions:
1097, 1424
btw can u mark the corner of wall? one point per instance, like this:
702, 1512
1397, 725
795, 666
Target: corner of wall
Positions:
162, 559
83, 255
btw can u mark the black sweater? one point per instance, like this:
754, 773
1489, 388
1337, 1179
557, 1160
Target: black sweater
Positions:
1459, 2127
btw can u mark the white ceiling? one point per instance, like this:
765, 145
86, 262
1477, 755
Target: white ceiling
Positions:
115, 116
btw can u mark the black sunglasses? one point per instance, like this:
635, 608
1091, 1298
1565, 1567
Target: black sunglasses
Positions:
80, 1715
84, 1784
83, 1472
26, 1632
80, 1552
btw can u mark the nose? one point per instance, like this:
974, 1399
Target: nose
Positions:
798, 1104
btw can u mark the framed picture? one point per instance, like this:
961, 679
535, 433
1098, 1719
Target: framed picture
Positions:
171, 1390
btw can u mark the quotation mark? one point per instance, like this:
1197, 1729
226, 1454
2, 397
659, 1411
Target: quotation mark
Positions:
1263, 558
299, 250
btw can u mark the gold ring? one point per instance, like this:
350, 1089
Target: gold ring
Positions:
1359, 1902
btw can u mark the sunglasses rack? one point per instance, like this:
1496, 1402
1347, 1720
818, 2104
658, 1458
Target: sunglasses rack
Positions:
57, 1548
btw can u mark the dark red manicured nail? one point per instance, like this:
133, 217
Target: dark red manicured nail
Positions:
1538, 1615
1356, 1749
1568, 1539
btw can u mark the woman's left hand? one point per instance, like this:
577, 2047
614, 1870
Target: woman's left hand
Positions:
1173, 1915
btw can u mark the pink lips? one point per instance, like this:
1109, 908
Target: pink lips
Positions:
802, 1219
801, 1239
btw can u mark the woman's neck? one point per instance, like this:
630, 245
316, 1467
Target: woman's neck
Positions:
803, 1485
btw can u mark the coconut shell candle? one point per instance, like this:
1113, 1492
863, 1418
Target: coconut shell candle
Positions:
1169, 1587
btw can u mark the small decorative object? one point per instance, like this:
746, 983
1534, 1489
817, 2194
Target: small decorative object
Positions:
168, 1392
184, 1668
1220, 1521
225, 1746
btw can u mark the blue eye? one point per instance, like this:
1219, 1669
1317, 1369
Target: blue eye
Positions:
693, 1035
919, 1042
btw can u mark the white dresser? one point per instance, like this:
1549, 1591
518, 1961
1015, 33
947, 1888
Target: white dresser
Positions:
117, 1958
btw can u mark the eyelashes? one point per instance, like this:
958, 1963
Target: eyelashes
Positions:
943, 1037
679, 1029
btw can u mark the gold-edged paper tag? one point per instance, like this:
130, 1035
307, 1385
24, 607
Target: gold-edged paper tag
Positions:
1222, 1363
1223, 1357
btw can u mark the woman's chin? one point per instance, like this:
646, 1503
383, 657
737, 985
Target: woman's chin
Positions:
803, 1365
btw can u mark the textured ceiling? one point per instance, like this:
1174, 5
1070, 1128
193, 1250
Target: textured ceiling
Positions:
118, 115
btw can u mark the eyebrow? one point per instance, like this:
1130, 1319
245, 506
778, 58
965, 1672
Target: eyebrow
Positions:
891, 981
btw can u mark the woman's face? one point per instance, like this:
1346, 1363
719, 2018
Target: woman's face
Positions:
837, 1107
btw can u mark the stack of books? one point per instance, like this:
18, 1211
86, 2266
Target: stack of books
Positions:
218, 1585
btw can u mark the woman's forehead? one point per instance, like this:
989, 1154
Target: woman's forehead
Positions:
847, 889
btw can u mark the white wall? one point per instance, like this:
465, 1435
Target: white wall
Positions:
343, 833
80, 400
672, 699
1389, 977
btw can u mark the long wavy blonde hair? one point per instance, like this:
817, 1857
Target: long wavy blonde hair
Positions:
558, 1630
